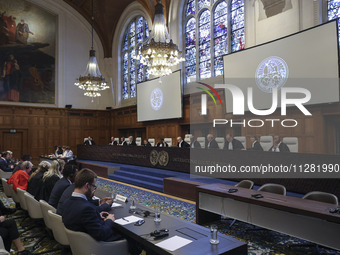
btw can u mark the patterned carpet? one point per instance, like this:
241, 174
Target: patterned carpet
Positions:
259, 242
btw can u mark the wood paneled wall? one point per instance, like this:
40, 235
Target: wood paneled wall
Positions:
35, 130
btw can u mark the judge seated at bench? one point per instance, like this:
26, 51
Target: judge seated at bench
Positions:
131, 141
232, 144
181, 143
89, 141
112, 141
161, 143
279, 146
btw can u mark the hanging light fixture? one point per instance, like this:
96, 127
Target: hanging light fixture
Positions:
159, 52
92, 81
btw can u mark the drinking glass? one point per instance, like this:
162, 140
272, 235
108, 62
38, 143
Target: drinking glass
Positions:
213, 233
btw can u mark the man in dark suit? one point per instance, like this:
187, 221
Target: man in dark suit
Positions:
255, 145
122, 141
89, 141
81, 215
58, 189
194, 143
212, 144
181, 143
112, 142
161, 143
232, 144
4, 163
131, 141
279, 146
146, 143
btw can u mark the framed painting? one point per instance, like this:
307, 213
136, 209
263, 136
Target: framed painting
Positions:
27, 53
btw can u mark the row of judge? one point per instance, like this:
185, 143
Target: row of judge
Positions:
234, 144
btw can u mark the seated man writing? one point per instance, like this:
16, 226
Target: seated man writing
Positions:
81, 215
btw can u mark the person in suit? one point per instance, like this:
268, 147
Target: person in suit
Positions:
89, 141
35, 179
181, 143
212, 144
67, 154
146, 143
60, 186
4, 162
131, 141
51, 177
161, 143
20, 178
232, 144
279, 146
81, 215
255, 145
24, 157
112, 141
123, 142
194, 143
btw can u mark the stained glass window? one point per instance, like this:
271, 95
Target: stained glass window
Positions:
133, 71
219, 27
204, 45
334, 11
237, 25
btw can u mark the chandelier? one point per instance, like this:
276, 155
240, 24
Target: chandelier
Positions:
159, 52
92, 82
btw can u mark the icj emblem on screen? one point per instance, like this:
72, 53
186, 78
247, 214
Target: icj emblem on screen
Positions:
271, 73
156, 99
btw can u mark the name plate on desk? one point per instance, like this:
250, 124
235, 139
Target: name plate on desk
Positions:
121, 198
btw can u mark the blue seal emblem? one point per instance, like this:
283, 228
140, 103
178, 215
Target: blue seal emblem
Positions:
156, 99
271, 73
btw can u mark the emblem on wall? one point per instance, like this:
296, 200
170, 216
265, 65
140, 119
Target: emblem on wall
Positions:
161, 158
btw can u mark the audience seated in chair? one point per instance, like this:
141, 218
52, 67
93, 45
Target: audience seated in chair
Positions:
35, 179
4, 162
20, 178
51, 177
60, 186
81, 215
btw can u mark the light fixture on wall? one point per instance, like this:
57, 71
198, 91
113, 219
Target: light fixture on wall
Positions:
92, 81
159, 52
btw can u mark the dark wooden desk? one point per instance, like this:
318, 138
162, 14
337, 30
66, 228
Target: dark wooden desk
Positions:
306, 219
200, 236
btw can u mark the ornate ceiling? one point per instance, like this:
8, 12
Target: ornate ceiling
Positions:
107, 14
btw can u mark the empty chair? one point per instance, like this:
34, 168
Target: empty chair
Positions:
201, 140
152, 141
247, 184
21, 195
45, 207
4, 174
168, 141
220, 142
117, 140
82, 243
242, 139
266, 142
273, 188
139, 141
14, 194
322, 197
58, 228
2, 248
7, 188
292, 143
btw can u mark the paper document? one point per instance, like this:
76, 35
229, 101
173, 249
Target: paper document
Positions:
127, 220
116, 205
173, 243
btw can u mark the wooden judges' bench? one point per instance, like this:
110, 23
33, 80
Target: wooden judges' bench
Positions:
178, 160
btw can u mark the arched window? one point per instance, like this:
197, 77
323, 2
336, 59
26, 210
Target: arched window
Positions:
334, 11
133, 71
219, 26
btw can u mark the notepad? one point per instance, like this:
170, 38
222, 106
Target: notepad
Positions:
173, 243
116, 205
127, 220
